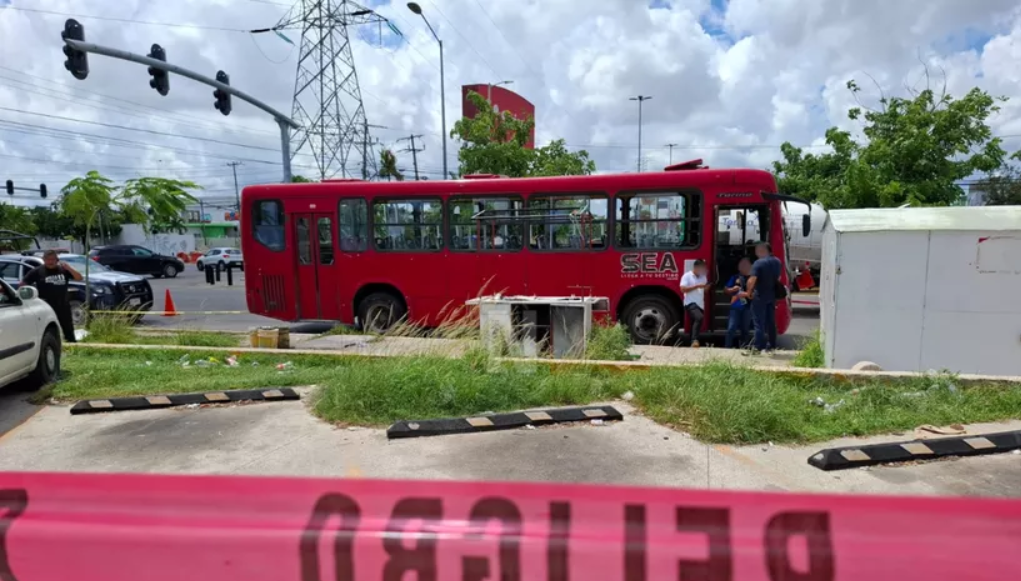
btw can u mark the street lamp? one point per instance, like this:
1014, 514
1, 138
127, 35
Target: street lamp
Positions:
489, 93
641, 99
414, 7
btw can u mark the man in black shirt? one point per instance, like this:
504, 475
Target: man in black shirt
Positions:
51, 281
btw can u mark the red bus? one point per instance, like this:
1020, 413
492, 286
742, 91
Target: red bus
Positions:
372, 253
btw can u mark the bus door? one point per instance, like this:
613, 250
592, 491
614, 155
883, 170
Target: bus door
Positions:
738, 228
317, 270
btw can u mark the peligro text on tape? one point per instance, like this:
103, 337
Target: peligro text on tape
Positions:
111, 527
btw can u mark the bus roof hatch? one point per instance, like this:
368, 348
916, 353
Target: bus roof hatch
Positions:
686, 165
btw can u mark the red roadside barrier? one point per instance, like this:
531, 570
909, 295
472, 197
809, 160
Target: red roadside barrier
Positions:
172, 528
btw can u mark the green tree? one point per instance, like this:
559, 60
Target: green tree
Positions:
19, 220
388, 166
915, 151
157, 203
300, 180
1004, 189
494, 143
84, 199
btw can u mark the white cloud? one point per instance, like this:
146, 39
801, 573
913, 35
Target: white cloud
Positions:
730, 81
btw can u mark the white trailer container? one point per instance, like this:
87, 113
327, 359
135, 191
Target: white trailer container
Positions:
920, 289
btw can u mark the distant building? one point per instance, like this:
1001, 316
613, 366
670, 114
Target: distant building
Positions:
212, 223
502, 99
977, 194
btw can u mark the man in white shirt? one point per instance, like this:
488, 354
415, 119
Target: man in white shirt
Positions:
693, 285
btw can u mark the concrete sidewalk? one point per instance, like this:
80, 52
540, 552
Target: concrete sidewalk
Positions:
284, 439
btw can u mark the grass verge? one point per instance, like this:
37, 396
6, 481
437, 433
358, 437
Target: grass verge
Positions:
811, 354
719, 402
119, 330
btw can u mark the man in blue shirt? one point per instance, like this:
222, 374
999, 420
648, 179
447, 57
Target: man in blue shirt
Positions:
740, 309
762, 286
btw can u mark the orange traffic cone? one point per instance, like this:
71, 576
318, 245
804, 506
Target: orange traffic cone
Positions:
168, 305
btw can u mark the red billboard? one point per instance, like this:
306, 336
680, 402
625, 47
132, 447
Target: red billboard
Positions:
502, 99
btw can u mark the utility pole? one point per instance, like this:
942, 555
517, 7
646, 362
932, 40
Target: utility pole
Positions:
237, 193
237, 196
414, 152
671, 146
641, 99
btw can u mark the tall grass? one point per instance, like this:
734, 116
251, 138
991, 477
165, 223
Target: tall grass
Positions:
811, 354
119, 330
718, 402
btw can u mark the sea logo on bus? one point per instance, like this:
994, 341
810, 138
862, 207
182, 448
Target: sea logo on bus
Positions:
648, 264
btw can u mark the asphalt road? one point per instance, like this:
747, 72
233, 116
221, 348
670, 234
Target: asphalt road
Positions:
191, 293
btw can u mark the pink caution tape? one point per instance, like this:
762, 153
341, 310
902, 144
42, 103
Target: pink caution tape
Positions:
176, 528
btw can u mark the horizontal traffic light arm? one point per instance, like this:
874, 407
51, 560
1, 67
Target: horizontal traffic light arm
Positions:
158, 64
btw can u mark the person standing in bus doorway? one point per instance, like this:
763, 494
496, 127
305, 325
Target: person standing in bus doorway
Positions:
50, 280
740, 320
693, 285
762, 287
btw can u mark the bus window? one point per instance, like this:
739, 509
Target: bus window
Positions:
325, 227
657, 221
268, 224
408, 225
354, 225
567, 222
304, 242
483, 224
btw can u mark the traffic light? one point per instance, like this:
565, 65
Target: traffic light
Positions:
42, 190
222, 97
10, 187
160, 78
77, 60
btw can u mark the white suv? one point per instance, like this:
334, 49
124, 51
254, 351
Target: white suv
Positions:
222, 256
29, 338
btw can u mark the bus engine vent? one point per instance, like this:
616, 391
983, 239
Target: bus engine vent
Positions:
273, 292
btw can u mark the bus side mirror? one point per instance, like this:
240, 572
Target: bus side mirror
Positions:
806, 225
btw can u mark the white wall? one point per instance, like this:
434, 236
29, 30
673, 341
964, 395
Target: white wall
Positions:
169, 244
921, 300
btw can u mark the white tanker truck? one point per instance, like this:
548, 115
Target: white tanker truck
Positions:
805, 251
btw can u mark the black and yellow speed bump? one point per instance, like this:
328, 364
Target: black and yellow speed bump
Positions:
118, 404
914, 450
492, 422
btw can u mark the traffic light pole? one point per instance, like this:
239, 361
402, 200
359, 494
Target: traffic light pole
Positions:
283, 121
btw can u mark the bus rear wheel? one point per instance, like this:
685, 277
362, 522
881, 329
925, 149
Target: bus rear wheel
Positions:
651, 319
378, 312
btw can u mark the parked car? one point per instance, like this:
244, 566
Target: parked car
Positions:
110, 290
137, 260
223, 256
29, 338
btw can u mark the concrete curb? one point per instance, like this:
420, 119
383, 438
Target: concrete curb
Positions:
493, 422
913, 450
802, 372
117, 404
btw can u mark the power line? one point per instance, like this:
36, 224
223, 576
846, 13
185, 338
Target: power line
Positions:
126, 20
44, 131
158, 113
139, 129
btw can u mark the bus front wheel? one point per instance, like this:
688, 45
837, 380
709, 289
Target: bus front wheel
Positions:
651, 319
378, 312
